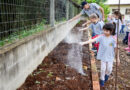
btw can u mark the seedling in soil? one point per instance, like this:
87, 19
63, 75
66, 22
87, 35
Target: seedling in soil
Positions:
52, 82
44, 64
38, 72
34, 74
41, 70
37, 82
31, 75
50, 74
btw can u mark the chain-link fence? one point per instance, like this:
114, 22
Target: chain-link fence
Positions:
20, 16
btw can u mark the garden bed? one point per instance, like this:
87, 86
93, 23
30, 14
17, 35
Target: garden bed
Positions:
55, 74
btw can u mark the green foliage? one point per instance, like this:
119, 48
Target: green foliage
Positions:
50, 74
89, 1
52, 82
2, 43
106, 10
37, 82
105, 7
38, 72
78, 1
22, 34
100, 2
18, 15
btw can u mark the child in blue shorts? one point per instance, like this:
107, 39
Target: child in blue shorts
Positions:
96, 25
97, 28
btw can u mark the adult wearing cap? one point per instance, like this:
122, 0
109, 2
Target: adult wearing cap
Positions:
92, 8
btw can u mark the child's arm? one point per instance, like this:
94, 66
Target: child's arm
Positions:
97, 39
87, 42
84, 24
88, 22
84, 29
90, 26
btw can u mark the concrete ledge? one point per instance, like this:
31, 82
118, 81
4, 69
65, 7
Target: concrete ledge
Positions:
19, 59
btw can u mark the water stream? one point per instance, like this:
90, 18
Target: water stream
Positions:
74, 58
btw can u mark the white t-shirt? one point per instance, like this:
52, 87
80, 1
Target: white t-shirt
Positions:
106, 48
97, 28
120, 24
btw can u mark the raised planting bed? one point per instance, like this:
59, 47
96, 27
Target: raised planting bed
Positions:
55, 73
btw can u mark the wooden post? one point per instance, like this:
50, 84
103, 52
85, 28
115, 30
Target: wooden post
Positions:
95, 78
52, 12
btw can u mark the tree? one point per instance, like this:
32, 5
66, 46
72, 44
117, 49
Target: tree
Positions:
90, 1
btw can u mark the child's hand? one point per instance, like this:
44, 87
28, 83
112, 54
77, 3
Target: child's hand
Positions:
81, 43
83, 25
81, 29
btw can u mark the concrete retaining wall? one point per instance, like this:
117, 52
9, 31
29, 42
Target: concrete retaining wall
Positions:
18, 60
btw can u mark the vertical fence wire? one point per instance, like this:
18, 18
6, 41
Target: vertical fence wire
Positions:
60, 10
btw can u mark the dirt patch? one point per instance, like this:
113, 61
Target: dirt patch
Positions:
55, 74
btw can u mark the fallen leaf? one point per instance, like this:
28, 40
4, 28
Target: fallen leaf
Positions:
85, 67
58, 79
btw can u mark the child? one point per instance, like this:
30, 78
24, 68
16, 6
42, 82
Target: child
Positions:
117, 16
125, 40
89, 22
96, 26
128, 49
109, 18
123, 24
106, 51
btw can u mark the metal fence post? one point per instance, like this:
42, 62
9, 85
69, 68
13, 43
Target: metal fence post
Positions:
52, 12
67, 10
73, 10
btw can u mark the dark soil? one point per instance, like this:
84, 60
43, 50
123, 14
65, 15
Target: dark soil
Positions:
54, 74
